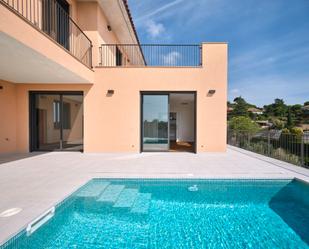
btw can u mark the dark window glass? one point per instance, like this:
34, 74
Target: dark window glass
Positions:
55, 19
66, 116
118, 57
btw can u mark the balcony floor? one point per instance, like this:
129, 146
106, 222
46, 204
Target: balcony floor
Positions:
35, 182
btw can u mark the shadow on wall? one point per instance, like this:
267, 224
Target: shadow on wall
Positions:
291, 203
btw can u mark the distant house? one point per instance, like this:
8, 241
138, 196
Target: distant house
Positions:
305, 128
255, 111
229, 109
264, 123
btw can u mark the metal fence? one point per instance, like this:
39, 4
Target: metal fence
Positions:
286, 147
53, 19
165, 55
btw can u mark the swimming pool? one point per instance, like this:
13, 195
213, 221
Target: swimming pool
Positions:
140, 213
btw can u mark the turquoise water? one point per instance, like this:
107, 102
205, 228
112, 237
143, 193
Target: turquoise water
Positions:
166, 214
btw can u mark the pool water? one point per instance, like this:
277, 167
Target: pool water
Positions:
161, 214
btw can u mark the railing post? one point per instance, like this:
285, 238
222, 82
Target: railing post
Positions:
91, 49
201, 54
268, 143
302, 151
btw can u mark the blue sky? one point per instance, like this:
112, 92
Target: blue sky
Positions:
268, 40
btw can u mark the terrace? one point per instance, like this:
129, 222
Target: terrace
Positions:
35, 183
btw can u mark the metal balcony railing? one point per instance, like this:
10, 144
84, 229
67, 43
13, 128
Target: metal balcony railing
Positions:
273, 143
53, 19
156, 55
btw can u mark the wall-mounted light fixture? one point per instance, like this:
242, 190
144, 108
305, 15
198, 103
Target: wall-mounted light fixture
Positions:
211, 92
110, 92
109, 28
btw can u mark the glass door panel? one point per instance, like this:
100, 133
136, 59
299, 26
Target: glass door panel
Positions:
155, 122
72, 122
56, 121
47, 121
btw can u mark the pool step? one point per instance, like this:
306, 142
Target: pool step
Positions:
126, 198
111, 193
93, 190
141, 204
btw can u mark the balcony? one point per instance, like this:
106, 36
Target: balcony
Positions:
53, 20
150, 55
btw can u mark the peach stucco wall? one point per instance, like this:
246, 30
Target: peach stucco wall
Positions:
7, 117
115, 126
93, 22
112, 123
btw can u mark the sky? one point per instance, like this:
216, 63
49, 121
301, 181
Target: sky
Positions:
268, 40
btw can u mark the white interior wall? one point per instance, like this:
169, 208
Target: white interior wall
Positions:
185, 116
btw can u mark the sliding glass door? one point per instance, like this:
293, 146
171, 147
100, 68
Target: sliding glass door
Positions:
56, 121
155, 111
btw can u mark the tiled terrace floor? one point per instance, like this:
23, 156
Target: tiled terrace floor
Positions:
35, 183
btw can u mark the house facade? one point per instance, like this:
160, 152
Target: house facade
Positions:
74, 76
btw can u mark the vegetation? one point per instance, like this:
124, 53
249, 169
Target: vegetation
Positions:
243, 124
277, 109
286, 131
288, 145
240, 108
296, 131
277, 123
278, 113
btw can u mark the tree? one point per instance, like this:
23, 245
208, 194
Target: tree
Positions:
290, 122
243, 124
296, 114
240, 108
306, 103
277, 123
297, 131
277, 109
